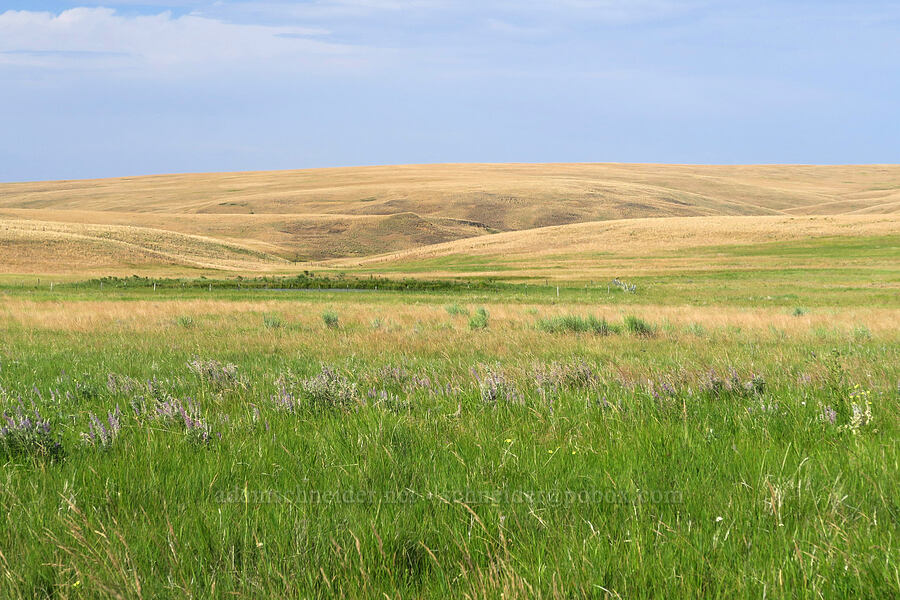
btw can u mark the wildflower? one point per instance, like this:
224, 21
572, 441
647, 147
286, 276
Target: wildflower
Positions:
100, 434
508, 440
862, 415
21, 433
495, 386
215, 373
175, 412
328, 389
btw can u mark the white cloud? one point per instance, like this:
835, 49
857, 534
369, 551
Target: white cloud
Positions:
100, 37
598, 9
274, 35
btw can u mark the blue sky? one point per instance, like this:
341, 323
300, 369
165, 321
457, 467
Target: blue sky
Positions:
122, 87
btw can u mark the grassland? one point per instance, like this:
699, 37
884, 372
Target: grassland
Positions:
312, 216
500, 416
401, 449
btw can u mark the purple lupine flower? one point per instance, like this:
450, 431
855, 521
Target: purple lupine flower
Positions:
174, 412
24, 435
496, 386
100, 434
328, 389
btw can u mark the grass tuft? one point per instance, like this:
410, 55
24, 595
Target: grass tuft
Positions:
639, 327
577, 324
456, 309
272, 322
330, 318
479, 320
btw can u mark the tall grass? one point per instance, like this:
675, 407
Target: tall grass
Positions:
639, 327
577, 324
420, 461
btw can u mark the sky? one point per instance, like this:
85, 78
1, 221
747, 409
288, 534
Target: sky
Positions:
160, 86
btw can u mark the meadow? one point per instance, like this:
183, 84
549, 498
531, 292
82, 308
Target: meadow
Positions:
689, 390
480, 443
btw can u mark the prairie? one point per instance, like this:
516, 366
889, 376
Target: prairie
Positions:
239, 441
310, 216
475, 381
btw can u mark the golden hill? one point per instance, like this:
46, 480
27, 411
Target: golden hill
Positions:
28, 246
265, 220
651, 243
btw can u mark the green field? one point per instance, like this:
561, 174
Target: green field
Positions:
479, 381
715, 433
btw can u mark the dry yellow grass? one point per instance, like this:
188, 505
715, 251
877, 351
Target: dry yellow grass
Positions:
35, 245
647, 237
293, 237
245, 222
506, 196
515, 319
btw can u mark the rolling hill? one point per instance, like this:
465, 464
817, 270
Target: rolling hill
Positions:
370, 216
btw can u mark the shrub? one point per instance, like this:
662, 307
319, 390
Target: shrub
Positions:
577, 324
479, 320
637, 326
185, 321
799, 311
330, 318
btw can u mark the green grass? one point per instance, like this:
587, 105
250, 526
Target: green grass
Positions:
440, 460
273, 321
864, 248
576, 324
479, 320
331, 319
637, 326
456, 309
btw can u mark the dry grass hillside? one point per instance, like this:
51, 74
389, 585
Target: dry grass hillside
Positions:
282, 220
586, 249
28, 246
